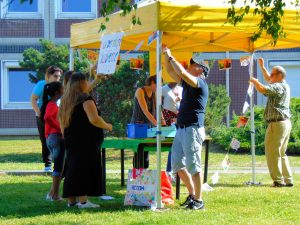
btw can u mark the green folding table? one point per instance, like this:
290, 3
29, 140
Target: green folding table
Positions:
139, 146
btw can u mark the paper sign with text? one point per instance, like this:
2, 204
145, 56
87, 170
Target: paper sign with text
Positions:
109, 53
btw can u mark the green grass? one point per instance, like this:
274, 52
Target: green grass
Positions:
25, 154
22, 198
231, 202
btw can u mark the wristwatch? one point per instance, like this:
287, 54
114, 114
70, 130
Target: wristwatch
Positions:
171, 58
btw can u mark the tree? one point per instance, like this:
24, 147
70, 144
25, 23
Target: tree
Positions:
271, 13
51, 54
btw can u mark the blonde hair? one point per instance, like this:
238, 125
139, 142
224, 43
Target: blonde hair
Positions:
72, 96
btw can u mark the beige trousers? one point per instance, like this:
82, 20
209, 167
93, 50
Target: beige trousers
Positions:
276, 141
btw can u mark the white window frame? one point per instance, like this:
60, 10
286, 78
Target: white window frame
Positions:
59, 14
5, 103
21, 15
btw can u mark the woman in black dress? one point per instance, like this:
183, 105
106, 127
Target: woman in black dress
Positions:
83, 132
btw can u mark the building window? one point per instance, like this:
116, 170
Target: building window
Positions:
14, 9
15, 85
292, 75
78, 9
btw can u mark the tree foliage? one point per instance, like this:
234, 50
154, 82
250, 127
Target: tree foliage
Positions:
51, 54
216, 109
271, 13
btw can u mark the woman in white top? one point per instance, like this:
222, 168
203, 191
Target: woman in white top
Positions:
171, 94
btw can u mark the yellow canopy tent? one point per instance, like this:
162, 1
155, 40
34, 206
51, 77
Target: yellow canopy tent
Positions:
186, 27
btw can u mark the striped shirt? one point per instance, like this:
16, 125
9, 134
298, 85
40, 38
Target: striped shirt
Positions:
278, 105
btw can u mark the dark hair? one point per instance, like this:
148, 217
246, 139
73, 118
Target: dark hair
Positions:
150, 79
50, 90
51, 70
67, 76
77, 76
192, 61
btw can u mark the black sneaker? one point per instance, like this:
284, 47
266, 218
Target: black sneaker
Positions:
196, 205
188, 200
289, 185
277, 184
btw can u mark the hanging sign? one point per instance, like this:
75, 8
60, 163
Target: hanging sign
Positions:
92, 56
235, 144
109, 53
136, 64
226, 163
224, 64
242, 122
245, 60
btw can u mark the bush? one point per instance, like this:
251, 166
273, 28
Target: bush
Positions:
216, 107
222, 135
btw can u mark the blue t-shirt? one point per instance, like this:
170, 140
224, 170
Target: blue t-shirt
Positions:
38, 90
193, 104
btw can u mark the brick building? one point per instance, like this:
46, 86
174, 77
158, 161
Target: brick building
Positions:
21, 27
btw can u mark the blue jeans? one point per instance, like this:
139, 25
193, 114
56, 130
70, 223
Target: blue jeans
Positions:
169, 168
56, 146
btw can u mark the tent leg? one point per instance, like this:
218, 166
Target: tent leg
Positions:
71, 59
228, 94
252, 129
158, 115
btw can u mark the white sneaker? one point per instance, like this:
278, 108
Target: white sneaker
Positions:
87, 205
51, 199
48, 169
48, 197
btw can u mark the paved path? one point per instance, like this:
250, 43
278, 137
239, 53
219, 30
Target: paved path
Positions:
237, 170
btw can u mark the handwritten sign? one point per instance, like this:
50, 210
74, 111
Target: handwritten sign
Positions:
109, 53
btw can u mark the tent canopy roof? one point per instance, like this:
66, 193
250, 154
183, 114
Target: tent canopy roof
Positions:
187, 27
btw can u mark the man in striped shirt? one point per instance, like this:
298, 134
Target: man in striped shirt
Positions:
277, 115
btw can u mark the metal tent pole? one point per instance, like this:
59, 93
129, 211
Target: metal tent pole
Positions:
252, 129
228, 92
158, 115
71, 59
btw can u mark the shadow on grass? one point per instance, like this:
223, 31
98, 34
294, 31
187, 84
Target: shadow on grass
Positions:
21, 158
22, 200
12, 138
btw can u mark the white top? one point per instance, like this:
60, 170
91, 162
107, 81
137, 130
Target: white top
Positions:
171, 97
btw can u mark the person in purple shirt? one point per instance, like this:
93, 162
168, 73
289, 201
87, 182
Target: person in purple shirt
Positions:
53, 73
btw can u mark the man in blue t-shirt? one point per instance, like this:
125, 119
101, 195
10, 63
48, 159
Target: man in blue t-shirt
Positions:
53, 73
187, 145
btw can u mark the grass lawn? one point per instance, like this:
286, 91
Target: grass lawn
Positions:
231, 202
25, 154
22, 198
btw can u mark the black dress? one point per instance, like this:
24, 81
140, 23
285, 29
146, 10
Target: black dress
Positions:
83, 162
